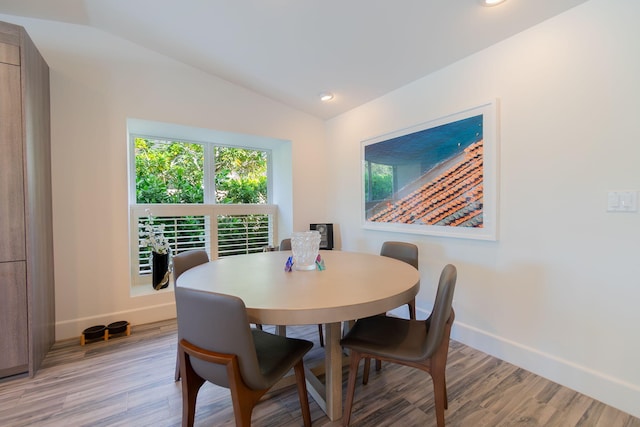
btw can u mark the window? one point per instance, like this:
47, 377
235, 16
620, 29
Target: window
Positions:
207, 195
169, 171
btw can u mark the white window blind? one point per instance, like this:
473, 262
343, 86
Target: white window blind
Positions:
221, 230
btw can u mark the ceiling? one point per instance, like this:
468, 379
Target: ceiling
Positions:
291, 50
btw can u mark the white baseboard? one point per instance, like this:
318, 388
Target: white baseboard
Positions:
614, 392
73, 328
605, 388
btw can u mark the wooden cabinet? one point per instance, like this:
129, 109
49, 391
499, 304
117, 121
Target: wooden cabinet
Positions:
13, 317
27, 305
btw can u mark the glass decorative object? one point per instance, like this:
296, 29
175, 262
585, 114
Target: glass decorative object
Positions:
305, 246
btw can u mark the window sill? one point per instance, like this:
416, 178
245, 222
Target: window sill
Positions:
146, 289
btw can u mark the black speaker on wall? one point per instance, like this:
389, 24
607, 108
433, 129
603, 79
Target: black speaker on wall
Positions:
326, 234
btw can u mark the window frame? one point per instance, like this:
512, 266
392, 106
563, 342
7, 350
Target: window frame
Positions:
208, 208
209, 165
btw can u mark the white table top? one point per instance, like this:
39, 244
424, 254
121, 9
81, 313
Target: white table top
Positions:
353, 285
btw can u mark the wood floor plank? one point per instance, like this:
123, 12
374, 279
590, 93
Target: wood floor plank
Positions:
128, 382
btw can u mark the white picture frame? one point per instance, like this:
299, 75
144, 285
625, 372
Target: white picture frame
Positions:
436, 178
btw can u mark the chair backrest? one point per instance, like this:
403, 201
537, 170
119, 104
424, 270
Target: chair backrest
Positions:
218, 323
407, 252
285, 245
442, 309
188, 259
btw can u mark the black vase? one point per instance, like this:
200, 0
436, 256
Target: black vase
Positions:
160, 270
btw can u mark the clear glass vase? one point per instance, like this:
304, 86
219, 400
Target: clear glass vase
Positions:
305, 246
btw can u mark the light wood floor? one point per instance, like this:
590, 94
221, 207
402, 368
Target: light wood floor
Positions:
128, 381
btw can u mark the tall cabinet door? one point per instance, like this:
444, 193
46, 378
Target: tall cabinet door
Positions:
14, 343
12, 222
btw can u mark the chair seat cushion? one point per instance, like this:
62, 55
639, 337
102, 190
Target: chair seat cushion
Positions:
388, 336
276, 354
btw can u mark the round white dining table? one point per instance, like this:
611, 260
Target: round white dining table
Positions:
352, 285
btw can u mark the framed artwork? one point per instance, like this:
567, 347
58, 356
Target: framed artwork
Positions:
437, 178
326, 234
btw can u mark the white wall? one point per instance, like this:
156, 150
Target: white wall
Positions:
97, 82
558, 293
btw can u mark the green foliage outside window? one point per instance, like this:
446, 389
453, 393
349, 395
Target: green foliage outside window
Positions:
241, 175
169, 172
173, 172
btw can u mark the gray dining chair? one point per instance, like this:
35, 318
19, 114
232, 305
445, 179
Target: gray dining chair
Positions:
188, 259
285, 245
421, 344
218, 345
406, 252
181, 263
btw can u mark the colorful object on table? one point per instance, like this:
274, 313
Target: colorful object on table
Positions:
288, 265
320, 263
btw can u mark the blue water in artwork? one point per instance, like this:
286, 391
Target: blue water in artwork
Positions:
429, 147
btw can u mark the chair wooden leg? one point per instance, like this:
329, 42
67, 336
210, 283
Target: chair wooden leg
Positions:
302, 393
176, 375
365, 371
191, 383
242, 412
412, 309
439, 397
351, 386
367, 367
446, 396
243, 398
321, 335
437, 373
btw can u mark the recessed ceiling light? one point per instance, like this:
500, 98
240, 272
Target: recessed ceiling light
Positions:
491, 2
326, 96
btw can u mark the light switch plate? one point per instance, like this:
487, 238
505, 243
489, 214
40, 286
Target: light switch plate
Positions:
622, 201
